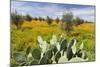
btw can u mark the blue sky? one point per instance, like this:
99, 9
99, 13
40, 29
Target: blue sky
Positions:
53, 10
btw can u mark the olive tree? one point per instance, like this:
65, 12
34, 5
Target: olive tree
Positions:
28, 17
57, 20
17, 19
49, 20
78, 21
67, 19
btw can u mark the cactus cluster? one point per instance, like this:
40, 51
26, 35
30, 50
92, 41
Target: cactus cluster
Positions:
55, 50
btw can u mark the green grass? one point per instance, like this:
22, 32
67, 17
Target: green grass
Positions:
21, 39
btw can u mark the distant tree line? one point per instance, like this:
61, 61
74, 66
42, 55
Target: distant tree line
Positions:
68, 20
18, 19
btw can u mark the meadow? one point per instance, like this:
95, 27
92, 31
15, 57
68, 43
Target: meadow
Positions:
51, 33
26, 37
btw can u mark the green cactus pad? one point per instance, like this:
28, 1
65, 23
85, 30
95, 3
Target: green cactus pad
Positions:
36, 53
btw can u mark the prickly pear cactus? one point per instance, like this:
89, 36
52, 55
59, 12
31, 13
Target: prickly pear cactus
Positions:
56, 50
36, 53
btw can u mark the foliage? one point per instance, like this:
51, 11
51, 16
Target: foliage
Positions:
40, 18
57, 20
67, 18
44, 54
35, 18
28, 17
17, 19
49, 20
49, 48
78, 21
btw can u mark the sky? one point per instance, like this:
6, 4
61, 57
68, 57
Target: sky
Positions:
54, 10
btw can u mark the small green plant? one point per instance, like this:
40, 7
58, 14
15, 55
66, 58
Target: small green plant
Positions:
57, 50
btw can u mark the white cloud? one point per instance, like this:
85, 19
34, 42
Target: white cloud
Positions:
85, 13
53, 10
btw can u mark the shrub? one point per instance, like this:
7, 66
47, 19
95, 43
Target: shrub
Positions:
78, 21
28, 17
49, 20
40, 18
17, 19
57, 20
67, 18
35, 18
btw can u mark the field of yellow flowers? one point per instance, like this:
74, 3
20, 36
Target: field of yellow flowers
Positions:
27, 35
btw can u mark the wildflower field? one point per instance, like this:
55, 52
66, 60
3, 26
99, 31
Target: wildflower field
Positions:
27, 36
43, 33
